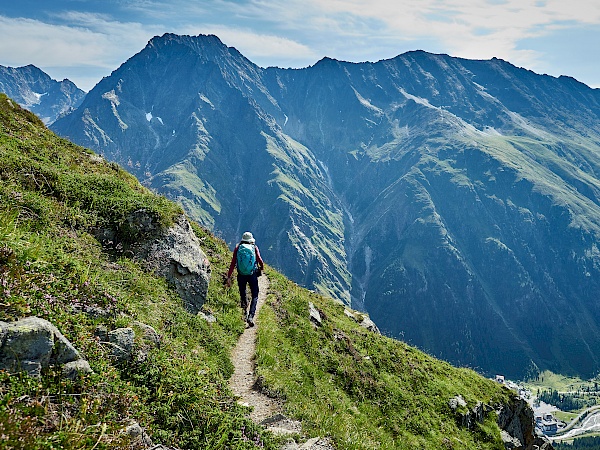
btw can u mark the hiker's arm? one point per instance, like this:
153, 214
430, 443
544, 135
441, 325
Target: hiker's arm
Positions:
233, 260
261, 264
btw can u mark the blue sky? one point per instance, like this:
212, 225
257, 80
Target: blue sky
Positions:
85, 40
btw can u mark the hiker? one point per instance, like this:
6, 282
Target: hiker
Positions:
246, 257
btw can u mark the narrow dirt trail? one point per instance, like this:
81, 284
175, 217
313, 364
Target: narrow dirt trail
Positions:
243, 378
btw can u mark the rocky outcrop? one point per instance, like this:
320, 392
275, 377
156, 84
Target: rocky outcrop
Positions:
33, 344
363, 320
315, 315
129, 344
515, 420
174, 253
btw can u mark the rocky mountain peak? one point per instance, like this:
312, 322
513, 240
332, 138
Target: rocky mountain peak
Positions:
35, 90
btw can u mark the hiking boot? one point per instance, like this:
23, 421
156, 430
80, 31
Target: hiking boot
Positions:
250, 321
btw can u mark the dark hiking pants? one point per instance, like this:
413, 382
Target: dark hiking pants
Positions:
252, 280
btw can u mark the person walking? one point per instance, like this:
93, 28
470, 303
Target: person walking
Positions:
246, 257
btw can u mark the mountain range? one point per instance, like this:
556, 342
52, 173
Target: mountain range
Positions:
456, 201
33, 89
134, 342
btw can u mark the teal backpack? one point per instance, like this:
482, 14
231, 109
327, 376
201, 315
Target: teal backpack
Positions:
246, 259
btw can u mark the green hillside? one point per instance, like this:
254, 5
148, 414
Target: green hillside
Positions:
358, 388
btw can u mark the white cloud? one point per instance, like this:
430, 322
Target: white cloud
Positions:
259, 47
89, 40
297, 33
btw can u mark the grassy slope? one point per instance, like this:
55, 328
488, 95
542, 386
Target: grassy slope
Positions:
52, 194
363, 390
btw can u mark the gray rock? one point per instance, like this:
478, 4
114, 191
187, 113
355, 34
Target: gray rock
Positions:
317, 443
457, 402
289, 445
510, 443
312, 444
138, 434
150, 339
362, 319
315, 315
176, 255
207, 316
149, 334
122, 342
93, 311
350, 314
73, 369
32, 344
468, 418
517, 421
101, 332
369, 325
282, 425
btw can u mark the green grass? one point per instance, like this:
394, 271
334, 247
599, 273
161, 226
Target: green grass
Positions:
360, 389
551, 381
363, 390
54, 196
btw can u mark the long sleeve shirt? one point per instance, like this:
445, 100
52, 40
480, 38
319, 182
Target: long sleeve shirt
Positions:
234, 259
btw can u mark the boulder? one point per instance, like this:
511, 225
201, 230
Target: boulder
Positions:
363, 320
32, 344
150, 339
73, 369
515, 420
176, 255
367, 323
122, 341
123, 344
315, 315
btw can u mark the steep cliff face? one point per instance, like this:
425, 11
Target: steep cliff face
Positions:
456, 201
35, 90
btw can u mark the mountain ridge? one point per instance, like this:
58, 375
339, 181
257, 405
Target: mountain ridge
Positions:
35, 90
454, 200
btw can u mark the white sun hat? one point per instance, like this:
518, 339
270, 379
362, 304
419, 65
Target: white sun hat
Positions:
247, 237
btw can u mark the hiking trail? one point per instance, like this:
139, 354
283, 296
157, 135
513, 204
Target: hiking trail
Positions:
243, 378
266, 411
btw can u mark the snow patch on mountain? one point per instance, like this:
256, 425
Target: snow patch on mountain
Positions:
419, 100
366, 103
32, 98
112, 97
205, 99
